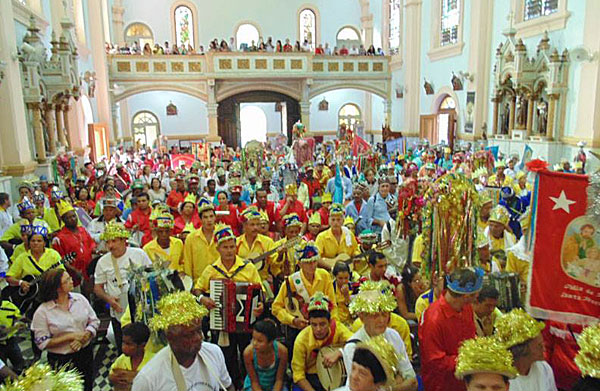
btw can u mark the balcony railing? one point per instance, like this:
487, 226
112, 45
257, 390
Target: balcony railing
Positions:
246, 65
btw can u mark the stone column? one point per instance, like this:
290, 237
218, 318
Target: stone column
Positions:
305, 114
412, 41
213, 115
494, 128
388, 111
15, 152
38, 132
530, 104
65, 112
60, 127
50, 115
117, 19
118, 133
511, 119
551, 115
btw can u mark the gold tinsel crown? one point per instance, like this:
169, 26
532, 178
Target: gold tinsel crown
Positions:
177, 309
588, 358
517, 327
43, 377
64, 207
373, 297
114, 230
484, 355
500, 215
386, 355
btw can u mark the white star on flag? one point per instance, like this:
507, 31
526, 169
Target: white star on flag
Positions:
562, 202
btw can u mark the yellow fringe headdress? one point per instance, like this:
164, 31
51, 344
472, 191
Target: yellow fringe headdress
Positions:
177, 309
373, 297
386, 355
588, 358
114, 230
484, 355
43, 377
517, 327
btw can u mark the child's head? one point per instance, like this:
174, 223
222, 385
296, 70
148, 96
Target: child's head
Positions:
135, 337
587, 230
341, 272
263, 334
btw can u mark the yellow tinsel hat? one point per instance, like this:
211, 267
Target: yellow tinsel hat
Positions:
205, 204
64, 207
517, 327
223, 232
251, 213
263, 216
373, 297
500, 215
319, 302
315, 219
485, 198
190, 198
480, 172
520, 175
337, 209
164, 220
291, 219
484, 355
387, 356
500, 164
291, 189
588, 357
43, 377
348, 221
114, 230
327, 197
177, 309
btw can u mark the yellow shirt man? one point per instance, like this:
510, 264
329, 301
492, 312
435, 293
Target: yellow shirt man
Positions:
342, 305
423, 303
22, 266
14, 231
9, 314
198, 253
322, 282
397, 323
248, 273
330, 247
260, 245
174, 255
304, 360
514, 264
279, 261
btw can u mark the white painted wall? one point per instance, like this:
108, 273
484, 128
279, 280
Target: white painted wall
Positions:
273, 117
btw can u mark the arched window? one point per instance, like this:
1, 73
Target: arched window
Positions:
245, 34
184, 26
349, 114
139, 32
253, 122
448, 103
348, 36
308, 26
450, 22
394, 30
145, 128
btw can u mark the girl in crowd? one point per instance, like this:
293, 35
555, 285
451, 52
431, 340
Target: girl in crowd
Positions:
229, 213
265, 359
84, 201
409, 291
65, 324
156, 192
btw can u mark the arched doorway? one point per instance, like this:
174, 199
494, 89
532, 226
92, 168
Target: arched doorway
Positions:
253, 123
281, 111
446, 122
145, 128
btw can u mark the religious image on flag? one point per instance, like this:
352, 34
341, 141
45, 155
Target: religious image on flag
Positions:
359, 146
564, 278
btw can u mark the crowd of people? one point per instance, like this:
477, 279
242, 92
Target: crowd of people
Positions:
268, 46
329, 255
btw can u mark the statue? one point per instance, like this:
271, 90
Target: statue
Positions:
521, 112
542, 112
457, 84
505, 119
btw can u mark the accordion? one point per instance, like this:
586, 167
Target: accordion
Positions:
236, 302
508, 284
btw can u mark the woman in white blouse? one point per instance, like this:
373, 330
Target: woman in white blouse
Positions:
65, 324
156, 192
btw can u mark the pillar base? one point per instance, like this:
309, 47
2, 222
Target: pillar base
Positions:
213, 138
44, 169
19, 170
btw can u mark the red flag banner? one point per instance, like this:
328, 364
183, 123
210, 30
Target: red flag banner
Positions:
564, 282
359, 146
182, 158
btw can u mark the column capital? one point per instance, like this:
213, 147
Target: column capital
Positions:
305, 106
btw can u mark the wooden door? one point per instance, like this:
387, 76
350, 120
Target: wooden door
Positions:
451, 128
98, 141
428, 128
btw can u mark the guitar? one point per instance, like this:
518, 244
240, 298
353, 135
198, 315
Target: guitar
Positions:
24, 300
343, 257
259, 260
292, 304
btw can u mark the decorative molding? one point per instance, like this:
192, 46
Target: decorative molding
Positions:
537, 26
23, 12
448, 51
436, 50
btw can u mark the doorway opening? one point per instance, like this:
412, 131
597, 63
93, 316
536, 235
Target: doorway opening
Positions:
253, 123
145, 128
446, 119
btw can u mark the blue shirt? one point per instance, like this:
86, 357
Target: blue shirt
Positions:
352, 211
376, 209
346, 186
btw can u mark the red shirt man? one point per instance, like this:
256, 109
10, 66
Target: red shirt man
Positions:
290, 204
262, 204
139, 219
444, 326
177, 196
560, 351
71, 238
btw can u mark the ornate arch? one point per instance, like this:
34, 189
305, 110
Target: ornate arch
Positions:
381, 92
140, 88
236, 89
137, 23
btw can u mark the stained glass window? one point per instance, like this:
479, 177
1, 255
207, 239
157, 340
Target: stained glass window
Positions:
538, 8
450, 22
395, 7
350, 115
308, 29
184, 26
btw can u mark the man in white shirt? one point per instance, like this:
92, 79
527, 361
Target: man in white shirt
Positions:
373, 305
522, 336
111, 275
187, 363
109, 209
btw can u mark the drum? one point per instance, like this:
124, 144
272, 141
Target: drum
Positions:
332, 377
